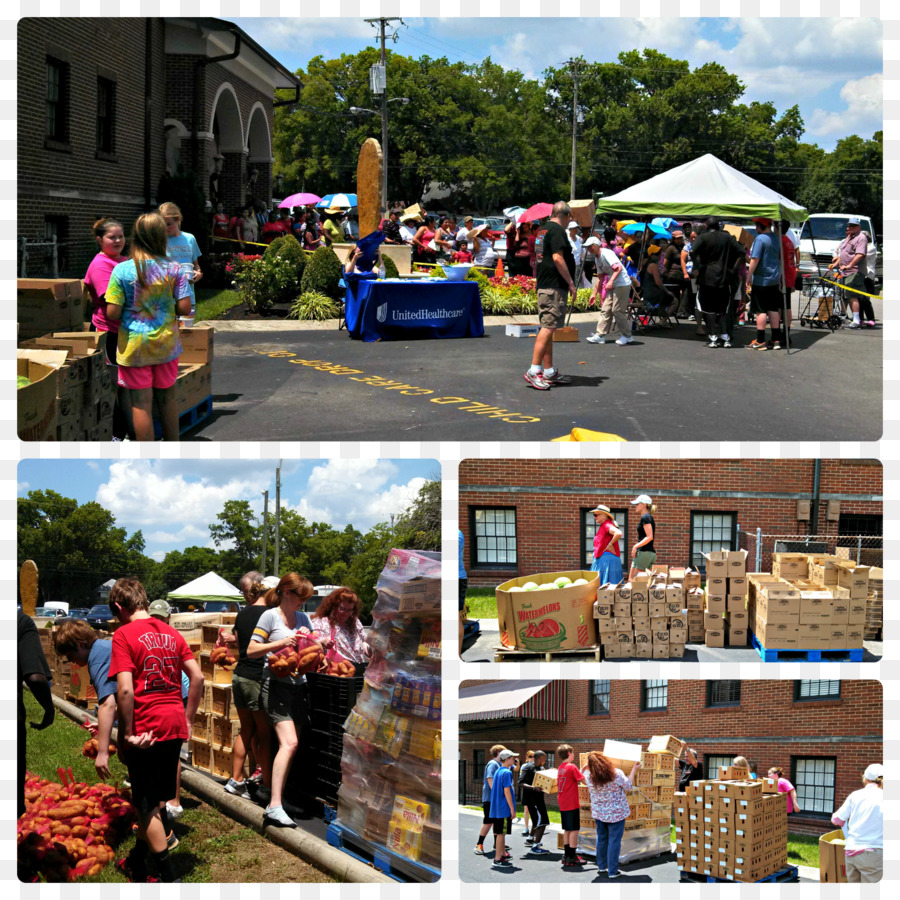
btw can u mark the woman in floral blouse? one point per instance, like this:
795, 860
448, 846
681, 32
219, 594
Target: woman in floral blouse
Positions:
337, 621
609, 807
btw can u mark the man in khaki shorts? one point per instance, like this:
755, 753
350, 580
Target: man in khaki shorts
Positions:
555, 283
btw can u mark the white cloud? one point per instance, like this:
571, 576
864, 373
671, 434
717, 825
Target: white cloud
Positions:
862, 113
93, 466
22, 487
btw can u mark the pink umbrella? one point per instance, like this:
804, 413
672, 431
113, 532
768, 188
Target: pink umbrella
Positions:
302, 199
538, 211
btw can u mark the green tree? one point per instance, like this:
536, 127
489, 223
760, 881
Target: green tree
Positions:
239, 535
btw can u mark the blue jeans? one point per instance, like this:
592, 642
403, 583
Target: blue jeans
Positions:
609, 842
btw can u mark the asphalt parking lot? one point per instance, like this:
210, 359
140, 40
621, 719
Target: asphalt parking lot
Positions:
482, 650
276, 380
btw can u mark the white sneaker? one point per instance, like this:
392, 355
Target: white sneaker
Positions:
174, 812
238, 788
277, 815
596, 338
622, 341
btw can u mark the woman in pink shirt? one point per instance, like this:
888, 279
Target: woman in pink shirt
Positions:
110, 237
785, 787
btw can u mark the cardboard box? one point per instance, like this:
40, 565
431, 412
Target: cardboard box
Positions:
622, 609
640, 586
618, 651
80, 685
664, 743
36, 402
657, 610
855, 637
716, 586
678, 635
607, 638
640, 609
777, 635
606, 593
715, 605
715, 637
791, 566
224, 731
650, 760
662, 778
623, 592
624, 752
643, 637
713, 620
197, 344
554, 619
659, 592
735, 604
675, 593
625, 638
641, 623
642, 651
606, 626
693, 599
815, 607
733, 773
583, 212
853, 578
691, 579
769, 785
213, 672
676, 650
832, 860
737, 637
44, 305
716, 564
603, 610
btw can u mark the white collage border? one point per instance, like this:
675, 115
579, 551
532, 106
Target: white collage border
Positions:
450, 453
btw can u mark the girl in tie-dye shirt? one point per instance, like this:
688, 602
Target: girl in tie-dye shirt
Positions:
147, 293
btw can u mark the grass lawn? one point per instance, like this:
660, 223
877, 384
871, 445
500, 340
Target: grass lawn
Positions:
482, 603
212, 847
212, 302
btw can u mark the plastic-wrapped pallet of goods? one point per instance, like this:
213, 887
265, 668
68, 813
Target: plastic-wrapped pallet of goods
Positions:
389, 800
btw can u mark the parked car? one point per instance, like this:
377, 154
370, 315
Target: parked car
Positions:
827, 230
48, 612
222, 606
79, 613
99, 616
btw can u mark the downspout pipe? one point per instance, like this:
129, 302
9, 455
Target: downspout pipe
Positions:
198, 65
148, 107
817, 486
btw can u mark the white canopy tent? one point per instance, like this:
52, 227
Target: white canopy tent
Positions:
205, 588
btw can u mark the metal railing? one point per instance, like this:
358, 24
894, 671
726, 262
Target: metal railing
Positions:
49, 258
863, 549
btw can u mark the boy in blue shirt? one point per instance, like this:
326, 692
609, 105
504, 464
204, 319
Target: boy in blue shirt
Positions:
79, 644
487, 783
503, 806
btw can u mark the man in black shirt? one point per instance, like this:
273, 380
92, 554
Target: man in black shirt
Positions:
391, 228
716, 256
555, 282
533, 798
691, 767
33, 671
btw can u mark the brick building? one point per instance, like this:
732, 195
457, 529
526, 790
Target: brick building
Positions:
523, 516
107, 106
823, 734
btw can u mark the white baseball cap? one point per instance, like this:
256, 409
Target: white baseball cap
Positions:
853, 220
874, 772
573, 224
642, 498
592, 242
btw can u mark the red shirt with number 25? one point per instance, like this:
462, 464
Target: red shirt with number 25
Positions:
153, 652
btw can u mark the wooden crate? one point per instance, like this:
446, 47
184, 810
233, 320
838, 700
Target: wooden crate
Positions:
209, 634
200, 726
221, 701
212, 672
202, 755
222, 759
223, 731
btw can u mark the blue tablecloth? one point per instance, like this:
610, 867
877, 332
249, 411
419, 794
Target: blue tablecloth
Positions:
399, 310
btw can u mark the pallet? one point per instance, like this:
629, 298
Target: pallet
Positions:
87, 705
471, 629
329, 813
189, 419
386, 861
850, 655
790, 873
506, 654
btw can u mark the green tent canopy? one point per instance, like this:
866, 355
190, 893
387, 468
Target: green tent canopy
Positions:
205, 588
703, 187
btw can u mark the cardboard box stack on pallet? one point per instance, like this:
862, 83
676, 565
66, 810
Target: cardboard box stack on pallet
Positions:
645, 618
874, 607
731, 828
193, 388
725, 619
68, 682
809, 602
648, 825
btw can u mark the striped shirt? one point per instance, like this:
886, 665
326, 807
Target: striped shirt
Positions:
271, 627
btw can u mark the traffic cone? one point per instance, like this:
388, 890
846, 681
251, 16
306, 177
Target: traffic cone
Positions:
499, 272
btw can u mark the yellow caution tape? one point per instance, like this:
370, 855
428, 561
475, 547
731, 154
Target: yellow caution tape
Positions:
852, 290
256, 243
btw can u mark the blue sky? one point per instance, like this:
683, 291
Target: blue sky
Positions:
832, 68
173, 501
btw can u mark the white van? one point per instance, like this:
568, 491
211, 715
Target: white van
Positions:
62, 607
828, 230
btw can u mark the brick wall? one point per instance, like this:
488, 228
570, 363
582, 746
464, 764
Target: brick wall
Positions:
768, 727
549, 511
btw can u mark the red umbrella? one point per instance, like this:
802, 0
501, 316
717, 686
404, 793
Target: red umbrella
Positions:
302, 199
538, 211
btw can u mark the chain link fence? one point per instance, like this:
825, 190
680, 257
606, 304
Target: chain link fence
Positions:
863, 549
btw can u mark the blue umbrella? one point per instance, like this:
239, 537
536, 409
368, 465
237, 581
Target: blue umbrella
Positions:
639, 227
344, 201
666, 222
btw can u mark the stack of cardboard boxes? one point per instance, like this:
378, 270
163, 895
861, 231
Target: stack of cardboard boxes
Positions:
645, 618
809, 603
874, 609
731, 828
725, 618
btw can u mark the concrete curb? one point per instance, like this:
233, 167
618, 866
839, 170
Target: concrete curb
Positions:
333, 862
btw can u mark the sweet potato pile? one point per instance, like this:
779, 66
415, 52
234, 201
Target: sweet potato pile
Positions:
67, 828
341, 668
92, 747
222, 656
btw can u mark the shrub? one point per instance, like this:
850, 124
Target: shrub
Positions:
271, 278
582, 300
217, 270
323, 274
312, 305
390, 271
288, 247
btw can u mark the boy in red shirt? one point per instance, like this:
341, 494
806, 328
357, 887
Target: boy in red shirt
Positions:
147, 659
567, 777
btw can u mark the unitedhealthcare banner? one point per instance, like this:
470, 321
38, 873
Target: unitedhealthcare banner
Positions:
400, 310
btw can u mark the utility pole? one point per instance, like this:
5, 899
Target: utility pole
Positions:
382, 23
575, 66
278, 519
262, 568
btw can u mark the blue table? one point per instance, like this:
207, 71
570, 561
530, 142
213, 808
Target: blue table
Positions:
395, 310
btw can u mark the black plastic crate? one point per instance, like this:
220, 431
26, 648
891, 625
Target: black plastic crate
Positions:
326, 742
329, 784
329, 692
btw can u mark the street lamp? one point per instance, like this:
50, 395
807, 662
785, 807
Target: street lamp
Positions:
362, 111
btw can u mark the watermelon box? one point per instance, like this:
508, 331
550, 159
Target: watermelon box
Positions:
557, 618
